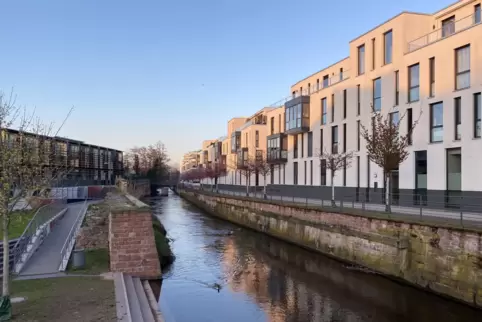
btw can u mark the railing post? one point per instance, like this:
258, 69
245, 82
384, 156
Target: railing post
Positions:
420, 204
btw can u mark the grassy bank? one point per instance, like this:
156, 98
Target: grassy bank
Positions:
166, 257
73, 299
18, 222
96, 262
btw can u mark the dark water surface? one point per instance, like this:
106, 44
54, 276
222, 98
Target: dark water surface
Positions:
265, 279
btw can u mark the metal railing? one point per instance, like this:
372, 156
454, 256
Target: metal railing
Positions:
71, 238
41, 216
446, 31
446, 208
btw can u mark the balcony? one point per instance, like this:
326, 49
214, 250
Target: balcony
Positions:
235, 142
297, 115
242, 158
447, 30
277, 148
277, 156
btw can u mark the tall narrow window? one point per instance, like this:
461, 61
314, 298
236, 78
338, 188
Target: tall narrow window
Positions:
279, 124
361, 60
358, 171
318, 84
462, 67
344, 137
295, 146
409, 125
334, 139
397, 88
436, 122
344, 103
448, 26
332, 108
413, 83
310, 144
257, 139
477, 114
377, 94
305, 172
272, 125
325, 81
344, 173
358, 100
457, 118
431, 76
271, 173
394, 118
309, 88
311, 172
341, 74
358, 130
246, 139
323, 111
373, 53
295, 173
302, 145
477, 14
387, 47
323, 172
321, 141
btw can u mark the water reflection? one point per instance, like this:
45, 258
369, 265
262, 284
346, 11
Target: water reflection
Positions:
264, 279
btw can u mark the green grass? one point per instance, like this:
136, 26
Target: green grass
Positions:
96, 262
18, 222
61, 299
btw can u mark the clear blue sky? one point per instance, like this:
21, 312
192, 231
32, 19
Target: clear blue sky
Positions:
175, 71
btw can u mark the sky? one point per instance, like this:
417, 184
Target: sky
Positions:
138, 72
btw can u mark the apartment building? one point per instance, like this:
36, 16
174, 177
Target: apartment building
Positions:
424, 67
87, 164
190, 160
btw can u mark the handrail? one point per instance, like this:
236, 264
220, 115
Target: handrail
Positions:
70, 240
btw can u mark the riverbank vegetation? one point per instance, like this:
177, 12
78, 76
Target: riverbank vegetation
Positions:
166, 257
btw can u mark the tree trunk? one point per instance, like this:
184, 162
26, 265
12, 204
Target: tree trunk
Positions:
264, 188
6, 257
388, 207
247, 187
333, 203
216, 184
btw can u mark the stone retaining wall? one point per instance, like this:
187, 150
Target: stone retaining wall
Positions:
447, 261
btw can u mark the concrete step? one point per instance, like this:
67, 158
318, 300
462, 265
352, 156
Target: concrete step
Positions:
143, 302
132, 299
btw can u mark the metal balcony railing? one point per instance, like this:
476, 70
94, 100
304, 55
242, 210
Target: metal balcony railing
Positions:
446, 31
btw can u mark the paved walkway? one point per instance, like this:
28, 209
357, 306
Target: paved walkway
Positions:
47, 257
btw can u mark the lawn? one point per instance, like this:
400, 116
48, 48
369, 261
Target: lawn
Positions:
18, 222
73, 299
96, 262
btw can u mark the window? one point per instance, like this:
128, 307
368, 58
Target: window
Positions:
272, 125
295, 173
431, 76
361, 60
477, 114
462, 67
302, 145
311, 172
409, 125
394, 118
318, 84
271, 173
321, 141
373, 53
344, 173
297, 116
358, 130
448, 26
397, 88
295, 146
436, 122
310, 144
246, 140
332, 108
377, 94
413, 83
325, 81
387, 47
257, 139
358, 171
341, 74
323, 110
279, 124
457, 118
477, 14
305, 172
323, 172
334, 139
309, 88
294, 94
344, 137
358, 103
344, 103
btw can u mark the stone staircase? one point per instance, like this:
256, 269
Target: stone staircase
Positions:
135, 301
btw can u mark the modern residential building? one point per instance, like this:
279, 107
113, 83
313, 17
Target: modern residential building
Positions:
86, 164
421, 70
190, 160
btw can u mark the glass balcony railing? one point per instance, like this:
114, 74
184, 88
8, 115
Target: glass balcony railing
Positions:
446, 31
277, 156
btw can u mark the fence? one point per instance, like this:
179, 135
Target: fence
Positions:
441, 207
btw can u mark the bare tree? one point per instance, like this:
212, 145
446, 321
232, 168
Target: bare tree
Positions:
32, 160
264, 168
246, 167
214, 171
386, 147
149, 161
334, 162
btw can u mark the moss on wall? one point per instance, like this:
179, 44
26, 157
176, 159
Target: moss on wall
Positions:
166, 257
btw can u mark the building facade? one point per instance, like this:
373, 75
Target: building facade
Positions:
421, 70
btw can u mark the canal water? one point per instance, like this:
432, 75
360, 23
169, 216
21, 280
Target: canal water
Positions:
226, 273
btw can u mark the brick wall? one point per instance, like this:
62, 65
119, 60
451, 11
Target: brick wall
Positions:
131, 243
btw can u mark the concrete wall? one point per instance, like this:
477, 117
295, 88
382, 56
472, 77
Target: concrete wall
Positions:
131, 243
442, 260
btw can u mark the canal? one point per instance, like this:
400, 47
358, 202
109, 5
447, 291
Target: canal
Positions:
226, 273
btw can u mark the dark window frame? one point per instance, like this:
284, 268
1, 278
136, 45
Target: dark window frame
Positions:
431, 76
323, 172
477, 115
358, 135
334, 139
376, 98
374, 43
324, 112
344, 137
457, 118
385, 51
413, 86
361, 58
358, 98
409, 125
463, 72
344, 103
432, 126
397, 88
310, 144
256, 139
332, 107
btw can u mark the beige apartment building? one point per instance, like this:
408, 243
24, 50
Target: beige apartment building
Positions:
416, 68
